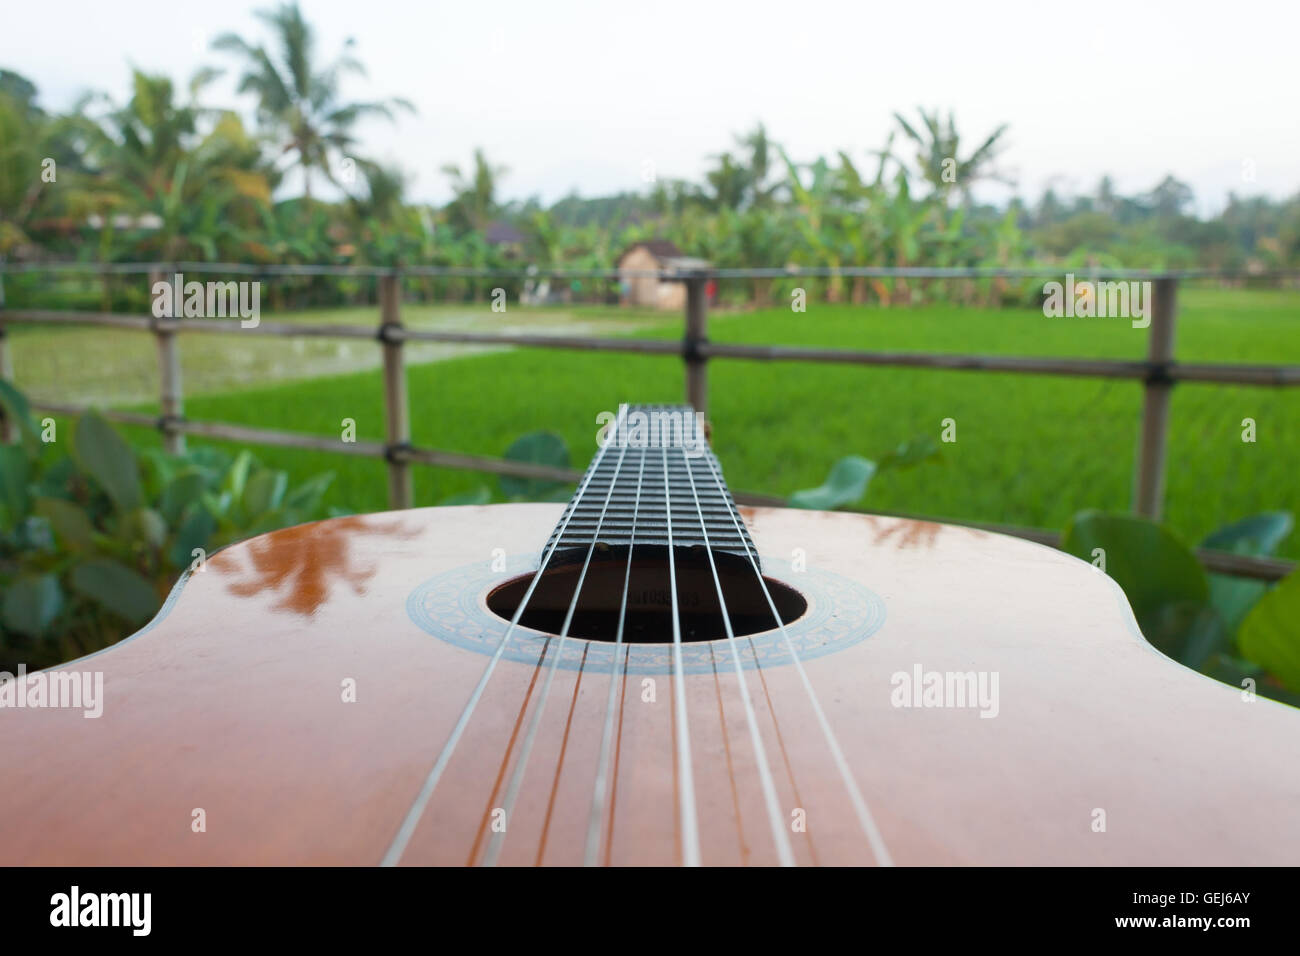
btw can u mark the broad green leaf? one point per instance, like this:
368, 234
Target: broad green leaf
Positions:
157, 470
1270, 634
72, 526
1164, 583
479, 496
1260, 534
538, 448
15, 471
57, 478
195, 532
106, 456
264, 492
31, 602
1189, 632
1257, 536
237, 476
213, 462
183, 490
15, 407
116, 587
35, 534
307, 496
216, 505
846, 484
146, 526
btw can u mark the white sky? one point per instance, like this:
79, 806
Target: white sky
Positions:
570, 94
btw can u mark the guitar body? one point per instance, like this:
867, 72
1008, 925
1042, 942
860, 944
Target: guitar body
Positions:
294, 696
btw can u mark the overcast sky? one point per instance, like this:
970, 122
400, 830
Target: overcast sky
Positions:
581, 95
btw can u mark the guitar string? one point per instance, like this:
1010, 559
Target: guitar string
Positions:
686, 795
416, 811
779, 836
521, 764
865, 819
592, 851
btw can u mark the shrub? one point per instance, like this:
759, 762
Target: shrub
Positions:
93, 533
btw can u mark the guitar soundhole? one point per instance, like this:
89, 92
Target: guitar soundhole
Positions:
648, 618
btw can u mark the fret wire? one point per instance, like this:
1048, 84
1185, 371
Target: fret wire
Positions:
654, 493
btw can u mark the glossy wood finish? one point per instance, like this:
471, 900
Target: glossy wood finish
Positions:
232, 702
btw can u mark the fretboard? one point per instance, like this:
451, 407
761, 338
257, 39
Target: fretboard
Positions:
633, 462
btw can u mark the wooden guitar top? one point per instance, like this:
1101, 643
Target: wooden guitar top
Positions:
237, 702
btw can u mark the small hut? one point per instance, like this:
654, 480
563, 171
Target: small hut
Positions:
654, 255
506, 238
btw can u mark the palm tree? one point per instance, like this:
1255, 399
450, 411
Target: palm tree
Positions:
300, 104
760, 148
23, 135
196, 185
474, 199
729, 183
939, 159
385, 194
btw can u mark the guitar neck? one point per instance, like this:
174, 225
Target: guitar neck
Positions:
654, 483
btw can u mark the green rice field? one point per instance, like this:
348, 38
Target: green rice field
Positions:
1030, 450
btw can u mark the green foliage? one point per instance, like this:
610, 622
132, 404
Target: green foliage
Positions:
1165, 584
1026, 452
536, 448
116, 588
1257, 536
1270, 634
91, 541
845, 485
106, 457
850, 476
31, 603
1181, 612
169, 175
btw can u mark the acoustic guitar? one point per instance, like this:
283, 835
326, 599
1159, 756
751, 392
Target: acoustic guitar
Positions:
648, 675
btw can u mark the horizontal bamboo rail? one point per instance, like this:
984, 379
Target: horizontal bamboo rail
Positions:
1223, 562
777, 272
1157, 373
1228, 373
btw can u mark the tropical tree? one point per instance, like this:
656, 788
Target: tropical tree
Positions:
385, 193
23, 130
299, 103
1170, 198
761, 150
939, 159
42, 162
474, 194
187, 177
729, 183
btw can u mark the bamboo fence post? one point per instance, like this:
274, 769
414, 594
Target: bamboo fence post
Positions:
697, 317
171, 402
397, 415
1149, 477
